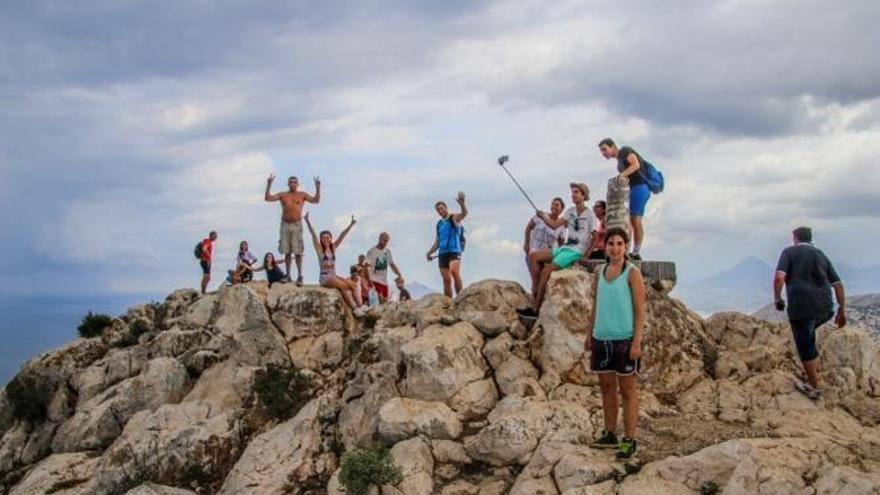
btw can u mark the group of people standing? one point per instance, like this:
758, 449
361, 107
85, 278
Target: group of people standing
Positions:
555, 240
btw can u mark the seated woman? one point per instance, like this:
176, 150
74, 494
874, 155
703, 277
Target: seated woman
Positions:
325, 247
274, 273
244, 268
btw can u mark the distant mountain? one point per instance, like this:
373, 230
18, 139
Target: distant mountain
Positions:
862, 311
749, 273
859, 280
418, 289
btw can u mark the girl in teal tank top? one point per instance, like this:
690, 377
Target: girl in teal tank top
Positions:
614, 342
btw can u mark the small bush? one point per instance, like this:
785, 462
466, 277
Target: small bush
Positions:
138, 327
29, 395
362, 468
93, 324
282, 391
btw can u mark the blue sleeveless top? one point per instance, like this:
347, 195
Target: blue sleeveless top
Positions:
449, 236
614, 307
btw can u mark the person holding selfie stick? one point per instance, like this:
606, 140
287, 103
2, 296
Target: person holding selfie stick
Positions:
808, 277
449, 244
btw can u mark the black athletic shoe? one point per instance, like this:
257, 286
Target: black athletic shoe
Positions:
626, 449
608, 440
635, 257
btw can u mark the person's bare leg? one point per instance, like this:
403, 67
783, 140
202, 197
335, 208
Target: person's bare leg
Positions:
638, 230
345, 288
287, 257
811, 368
299, 266
447, 282
610, 402
455, 272
548, 270
205, 279
630, 404
537, 259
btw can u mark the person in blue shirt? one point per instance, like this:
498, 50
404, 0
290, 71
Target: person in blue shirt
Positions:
614, 341
448, 243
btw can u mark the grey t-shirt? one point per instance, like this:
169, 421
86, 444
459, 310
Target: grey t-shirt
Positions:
580, 227
808, 279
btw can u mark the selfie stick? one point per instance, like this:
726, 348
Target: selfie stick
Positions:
501, 160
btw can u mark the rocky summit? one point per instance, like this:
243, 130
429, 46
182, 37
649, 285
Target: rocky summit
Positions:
263, 391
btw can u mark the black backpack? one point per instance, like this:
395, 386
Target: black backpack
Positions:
461, 238
198, 251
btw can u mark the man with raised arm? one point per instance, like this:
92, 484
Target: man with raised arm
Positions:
808, 277
290, 240
448, 244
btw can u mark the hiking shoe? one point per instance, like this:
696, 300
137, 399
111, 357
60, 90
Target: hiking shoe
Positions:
808, 390
359, 312
635, 257
608, 440
626, 448
299, 281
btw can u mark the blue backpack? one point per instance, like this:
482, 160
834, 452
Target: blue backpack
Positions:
653, 177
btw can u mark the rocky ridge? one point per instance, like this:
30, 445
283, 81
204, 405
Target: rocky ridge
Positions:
468, 400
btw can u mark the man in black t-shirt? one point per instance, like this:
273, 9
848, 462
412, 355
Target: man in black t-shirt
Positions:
629, 167
808, 277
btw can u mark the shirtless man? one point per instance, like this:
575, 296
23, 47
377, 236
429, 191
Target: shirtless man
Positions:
290, 240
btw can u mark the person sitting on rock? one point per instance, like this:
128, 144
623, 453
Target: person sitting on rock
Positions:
354, 276
326, 247
274, 273
581, 224
808, 277
366, 285
614, 341
244, 267
540, 239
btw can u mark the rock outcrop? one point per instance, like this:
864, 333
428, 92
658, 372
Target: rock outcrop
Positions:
467, 399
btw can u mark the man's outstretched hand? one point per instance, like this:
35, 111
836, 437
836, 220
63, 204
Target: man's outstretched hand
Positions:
460, 197
271, 178
317, 181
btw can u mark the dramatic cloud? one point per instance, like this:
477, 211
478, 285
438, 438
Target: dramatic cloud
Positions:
129, 130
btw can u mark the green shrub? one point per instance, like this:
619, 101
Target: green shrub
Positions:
93, 324
282, 391
29, 395
362, 468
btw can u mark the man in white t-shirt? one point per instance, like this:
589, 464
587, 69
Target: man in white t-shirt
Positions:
380, 259
541, 238
582, 224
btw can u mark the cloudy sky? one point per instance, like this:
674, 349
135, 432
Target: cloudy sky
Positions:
130, 129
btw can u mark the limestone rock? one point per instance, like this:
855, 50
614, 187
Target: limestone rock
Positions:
176, 342
245, 332
365, 395
388, 341
225, 386
442, 361
842, 479
401, 418
154, 489
279, 458
170, 443
308, 311
198, 315
605, 488
534, 486
579, 469
517, 376
101, 419
324, 351
563, 324
460, 488
475, 400
71, 471
6, 419
515, 428
413, 458
447, 451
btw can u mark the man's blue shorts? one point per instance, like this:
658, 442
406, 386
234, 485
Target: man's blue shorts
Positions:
638, 199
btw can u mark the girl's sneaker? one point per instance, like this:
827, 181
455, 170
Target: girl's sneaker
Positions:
808, 390
626, 448
608, 440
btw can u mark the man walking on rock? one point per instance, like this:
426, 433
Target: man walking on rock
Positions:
290, 240
808, 277
448, 243
630, 167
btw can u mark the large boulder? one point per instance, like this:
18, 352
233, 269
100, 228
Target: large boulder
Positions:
244, 331
372, 386
308, 311
413, 458
315, 353
65, 474
283, 458
441, 361
490, 305
154, 489
175, 445
475, 400
401, 418
99, 420
225, 386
